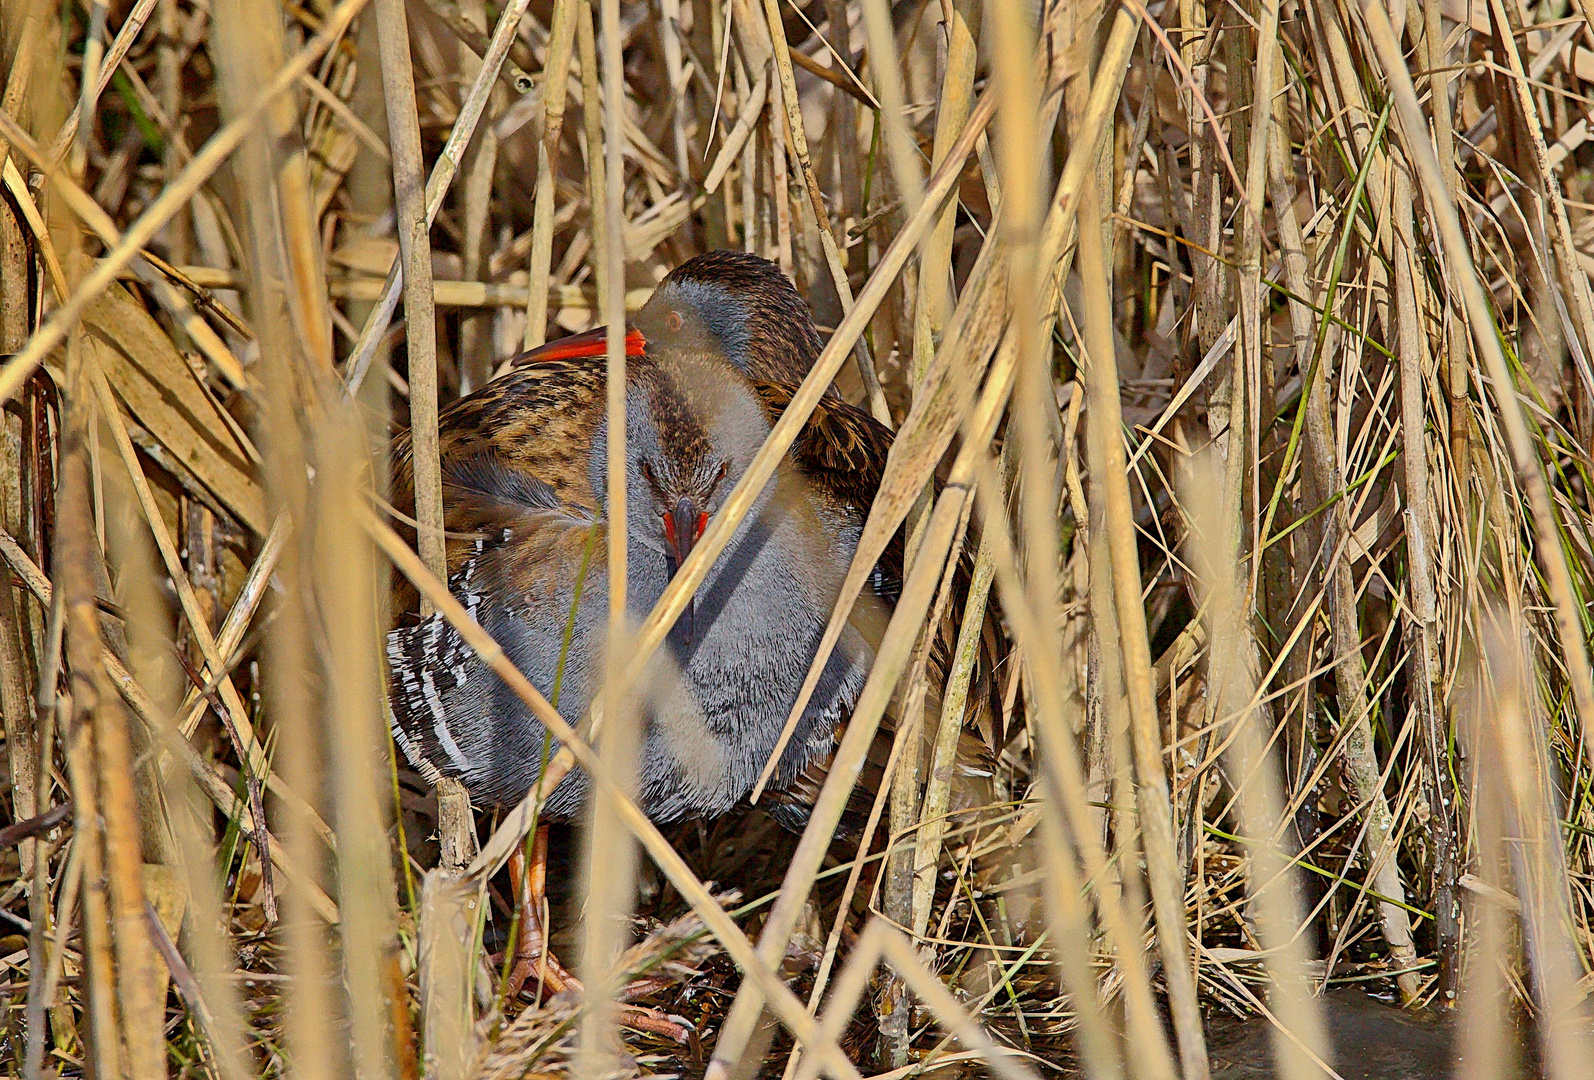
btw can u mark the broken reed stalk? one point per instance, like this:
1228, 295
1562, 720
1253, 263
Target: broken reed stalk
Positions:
445, 946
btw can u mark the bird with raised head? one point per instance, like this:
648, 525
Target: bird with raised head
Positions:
712, 359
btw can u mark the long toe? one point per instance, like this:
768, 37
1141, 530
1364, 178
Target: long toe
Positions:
535, 967
657, 1022
643, 988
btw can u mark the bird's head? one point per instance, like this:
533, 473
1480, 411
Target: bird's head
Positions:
691, 434
738, 307
693, 426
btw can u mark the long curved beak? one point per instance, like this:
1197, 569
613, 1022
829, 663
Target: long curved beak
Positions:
683, 527
587, 344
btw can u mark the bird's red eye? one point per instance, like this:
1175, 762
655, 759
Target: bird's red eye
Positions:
647, 473
673, 320
702, 523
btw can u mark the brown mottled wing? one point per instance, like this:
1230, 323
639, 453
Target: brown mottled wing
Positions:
841, 448
516, 447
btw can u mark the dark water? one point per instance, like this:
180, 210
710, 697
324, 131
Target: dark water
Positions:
1372, 1040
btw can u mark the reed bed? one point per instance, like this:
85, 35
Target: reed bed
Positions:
1241, 347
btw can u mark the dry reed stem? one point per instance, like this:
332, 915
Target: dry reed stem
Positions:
283, 254
1424, 614
930, 311
346, 591
597, 184
1393, 301
1529, 470
1524, 800
415, 249
611, 852
1033, 246
16, 703
900, 740
932, 815
910, 876
206, 985
788, 1008
173, 198
438, 182
555, 83
124, 989
1301, 1043
1156, 827
1445, 148
1066, 837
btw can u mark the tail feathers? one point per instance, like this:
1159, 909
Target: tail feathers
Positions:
429, 663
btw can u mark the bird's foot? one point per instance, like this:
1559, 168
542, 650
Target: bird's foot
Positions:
538, 970
545, 971
536, 966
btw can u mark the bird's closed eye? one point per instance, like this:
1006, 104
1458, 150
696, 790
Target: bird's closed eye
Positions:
647, 474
